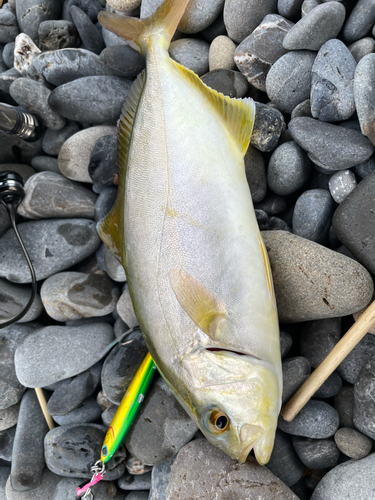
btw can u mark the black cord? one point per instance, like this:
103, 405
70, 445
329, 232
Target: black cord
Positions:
12, 210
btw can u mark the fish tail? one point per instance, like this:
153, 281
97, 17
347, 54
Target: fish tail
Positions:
163, 23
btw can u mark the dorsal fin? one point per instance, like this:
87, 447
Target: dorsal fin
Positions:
238, 115
111, 228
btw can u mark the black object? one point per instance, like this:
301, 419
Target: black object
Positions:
11, 195
13, 121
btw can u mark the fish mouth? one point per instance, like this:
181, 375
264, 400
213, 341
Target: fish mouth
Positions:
225, 349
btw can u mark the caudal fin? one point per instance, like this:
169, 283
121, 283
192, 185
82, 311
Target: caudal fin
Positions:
163, 22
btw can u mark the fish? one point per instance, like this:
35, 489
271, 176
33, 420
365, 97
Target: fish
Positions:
184, 228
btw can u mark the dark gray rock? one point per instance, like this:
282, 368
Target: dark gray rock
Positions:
217, 28
352, 443
132, 482
312, 215
121, 365
290, 9
302, 109
91, 7
8, 54
4, 220
6, 443
263, 47
160, 476
362, 48
4, 474
28, 454
317, 27
122, 60
192, 53
288, 169
104, 203
103, 166
226, 81
344, 405
54, 139
243, 16
272, 204
53, 245
318, 338
8, 26
360, 21
332, 93
161, 427
262, 219
286, 342
268, 126
137, 495
64, 351
363, 95
316, 453
6, 80
108, 414
351, 367
330, 387
363, 169
330, 146
256, 174
353, 231
89, 411
67, 489
55, 35
284, 462
363, 399
30, 13
45, 164
94, 99
90, 36
341, 184
13, 298
70, 451
34, 96
288, 82
295, 371
9, 417
43, 492
316, 420
198, 16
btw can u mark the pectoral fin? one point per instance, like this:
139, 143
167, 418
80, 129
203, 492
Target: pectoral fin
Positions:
201, 305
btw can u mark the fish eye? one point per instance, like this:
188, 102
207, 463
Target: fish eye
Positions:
218, 422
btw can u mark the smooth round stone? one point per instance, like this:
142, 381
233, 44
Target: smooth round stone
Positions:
330, 146
198, 15
317, 27
215, 29
71, 450
221, 53
364, 404
124, 5
302, 109
228, 82
161, 427
330, 387
362, 48
203, 471
268, 126
121, 365
104, 203
317, 288
288, 81
354, 219
363, 169
160, 476
90, 36
71, 295
286, 342
255, 170
332, 93
108, 414
50, 195
262, 219
360, 21
264, 46
4, 474
312, 215
350, 368
28, 453
8, 26
6, 80
91, 7
122, 60
60, 352
352, 443
284, 462
13, 299
55, 35
241, 17
94, 99
53, 246
316, 420
49, 483
6, 444
8, 54
352, 479
113, 267
25, 52
341, 184
67, 490
54, 139
290, 9
364, 96
272, 204
288, 169
74, 155
316, 453
134, 483
34, 96
66, 65
89, 411
192, 53
344, 405
295, 371
103, 166
318, 338
30, 13
45, 164
9, 417
125, 309
111, 39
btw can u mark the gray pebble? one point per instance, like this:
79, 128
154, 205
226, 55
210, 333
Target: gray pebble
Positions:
332, 94
90, 36
302, 109
160, 476
268, 126
8, 54
286, 342
6, 443
318, 338
43, 492
91, 7
272, 204
70, 451
108, 414
316, 453
352, 443
215, 29
111, 39
330, 146
55, 35
132, 482
290, 9
13, 298
341, 184
64, 351
30, 13
113, 267
344, 405
228, 82
284, 462
104, 203
363, 400
54, 139
262, 219
6, 80
4, 220
330, 387
288, 81
241, 17
103, 167
34, 96
198, 16
89, 411
9, 417
4, 474
362, 48
364, 95
8, 26
263, 47
122, 60
125, 308
317, 27
363, 169
288, 169
192, 53
308, 5
360, 21
255, 170
350, 368
161, 427
137, 495
45, 164
295, 371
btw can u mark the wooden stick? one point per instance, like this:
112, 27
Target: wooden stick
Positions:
330, 363
43, 405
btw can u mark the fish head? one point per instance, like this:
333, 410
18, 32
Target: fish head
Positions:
235, 400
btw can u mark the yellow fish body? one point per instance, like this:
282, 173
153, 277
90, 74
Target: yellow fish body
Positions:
185, 230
